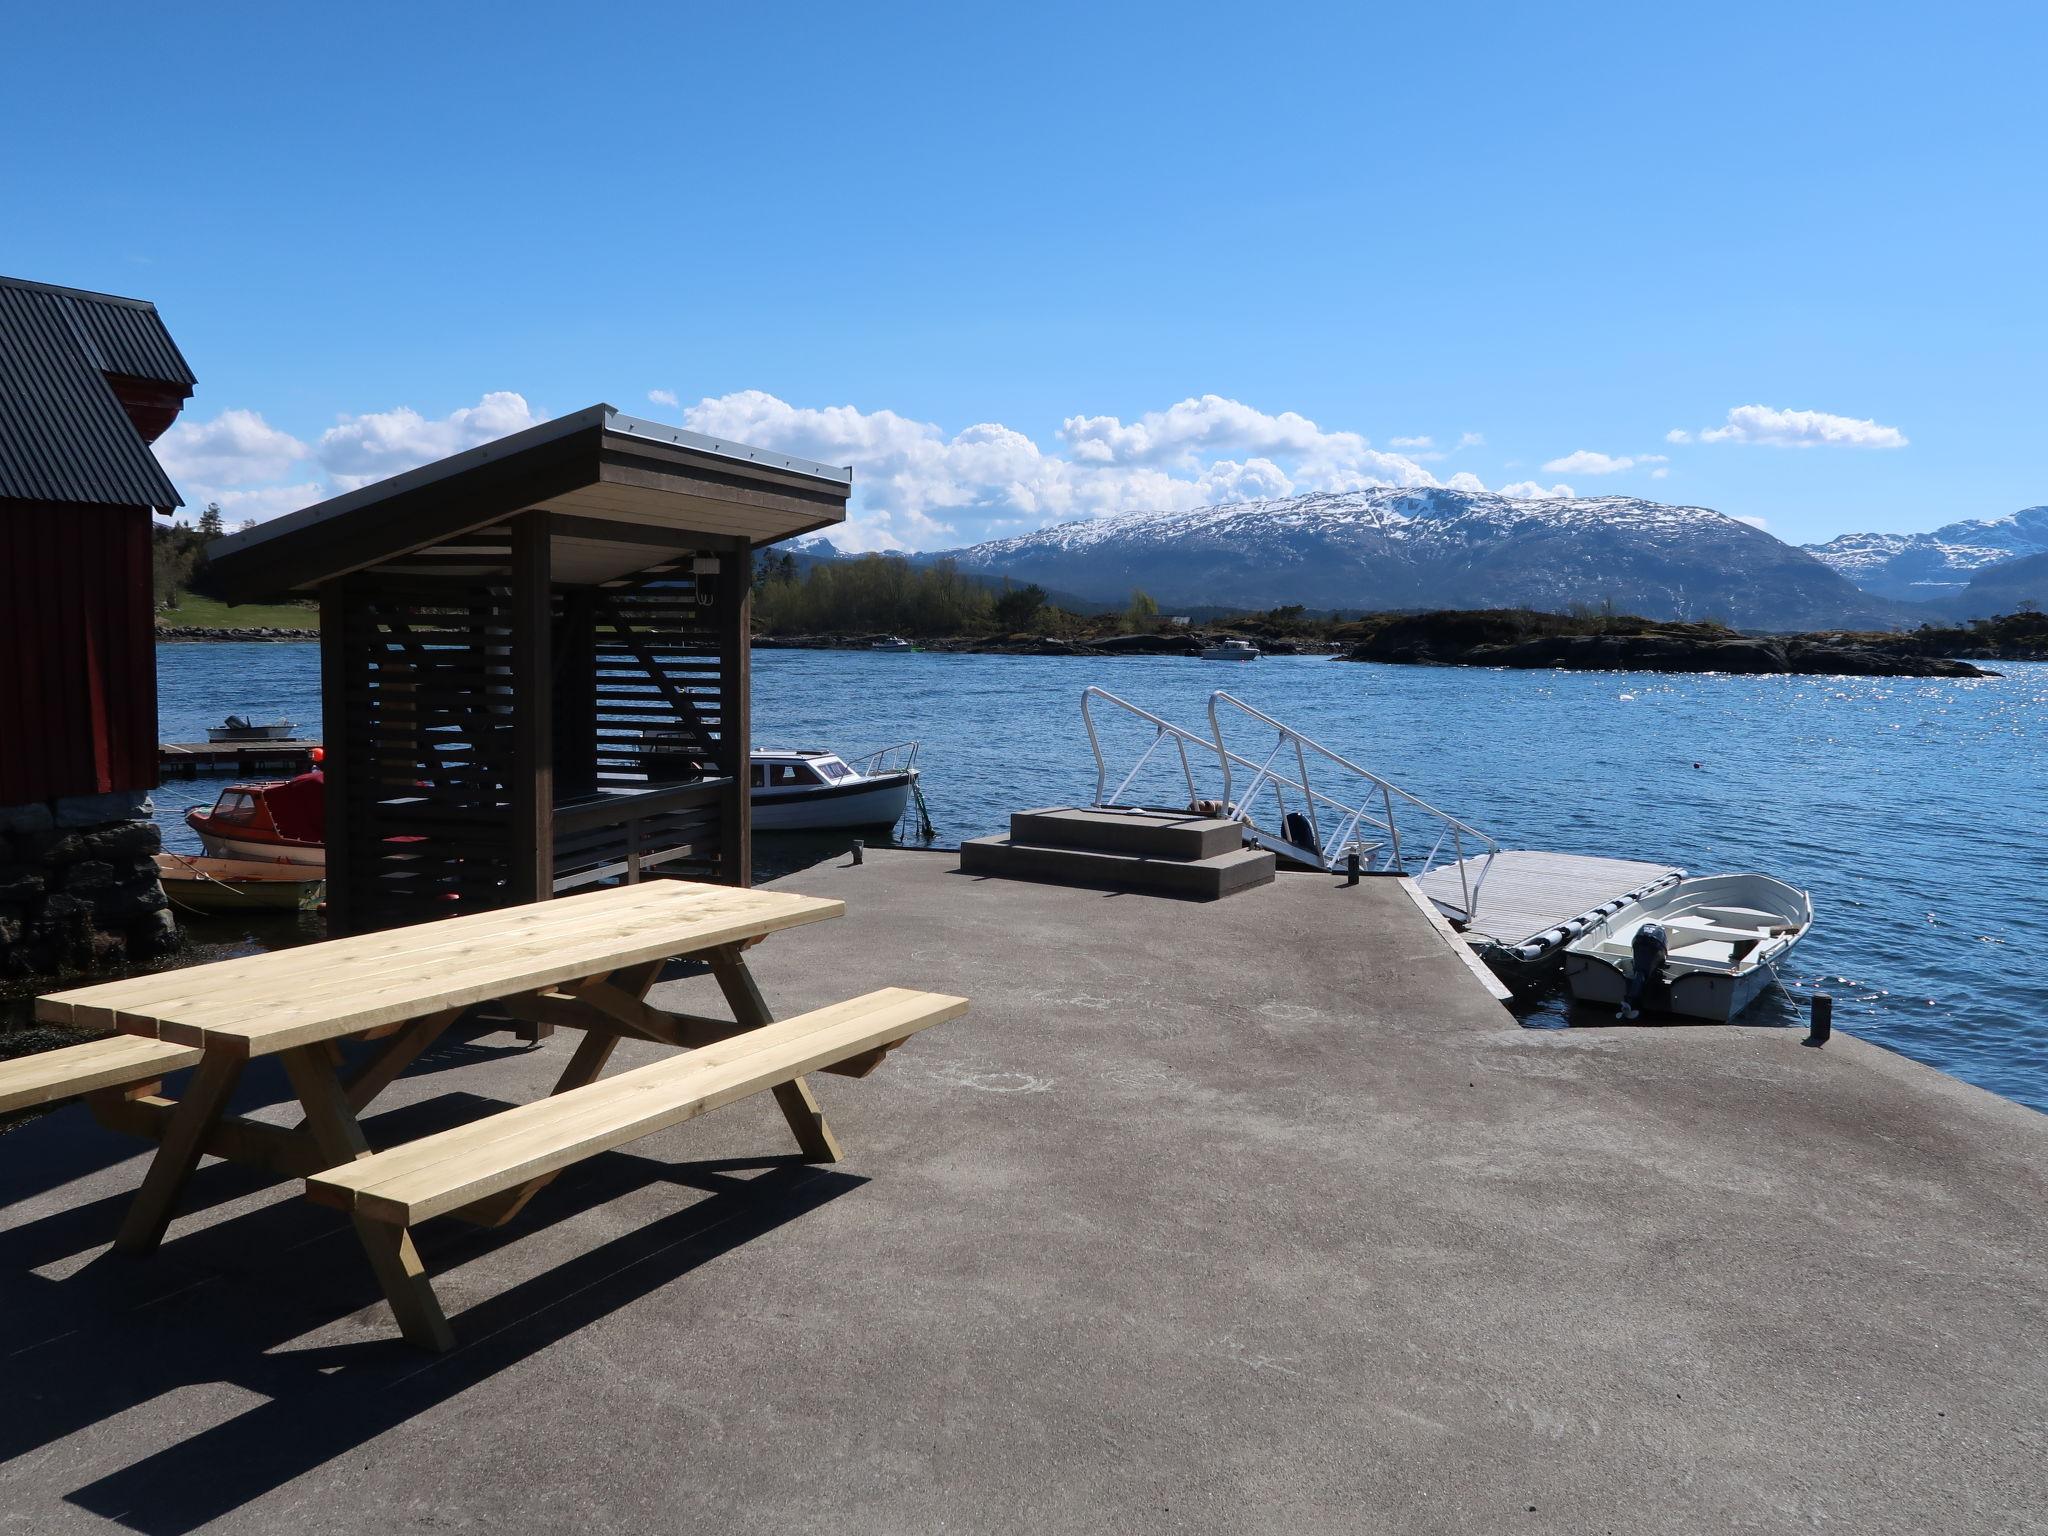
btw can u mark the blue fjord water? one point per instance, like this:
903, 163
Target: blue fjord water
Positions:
1915, 810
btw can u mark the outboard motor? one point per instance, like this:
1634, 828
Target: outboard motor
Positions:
1646, 958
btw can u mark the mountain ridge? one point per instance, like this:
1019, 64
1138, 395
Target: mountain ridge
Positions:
1938, 565
1408, 548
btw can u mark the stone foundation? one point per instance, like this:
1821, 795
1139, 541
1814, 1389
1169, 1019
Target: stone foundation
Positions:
78, 885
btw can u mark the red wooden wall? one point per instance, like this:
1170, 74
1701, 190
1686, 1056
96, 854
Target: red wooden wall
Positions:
77, 651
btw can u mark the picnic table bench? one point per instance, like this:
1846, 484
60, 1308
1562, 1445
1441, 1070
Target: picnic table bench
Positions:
582, 962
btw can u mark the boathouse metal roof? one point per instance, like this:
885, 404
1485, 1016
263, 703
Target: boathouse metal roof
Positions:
65, 433
622, 491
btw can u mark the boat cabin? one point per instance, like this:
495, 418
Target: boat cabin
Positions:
534, 665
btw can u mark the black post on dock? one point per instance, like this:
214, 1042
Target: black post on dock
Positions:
1821, 1024
1351, 867
859, 849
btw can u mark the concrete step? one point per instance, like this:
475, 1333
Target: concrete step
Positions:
1219, 875
1160, 834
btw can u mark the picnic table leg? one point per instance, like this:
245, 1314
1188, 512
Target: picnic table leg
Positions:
799, 1105
332, 1122
198, 1112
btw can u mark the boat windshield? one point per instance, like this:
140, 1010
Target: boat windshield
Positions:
235, 805
831, 769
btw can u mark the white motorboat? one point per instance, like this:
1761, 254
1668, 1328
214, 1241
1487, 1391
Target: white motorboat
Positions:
239, 728
891, 643
1232, 649
1705, 948
807, 790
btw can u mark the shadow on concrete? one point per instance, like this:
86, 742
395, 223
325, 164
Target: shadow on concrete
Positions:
223, 1304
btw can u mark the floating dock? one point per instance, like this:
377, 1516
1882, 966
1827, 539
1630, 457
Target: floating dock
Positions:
1526, 893
189, 759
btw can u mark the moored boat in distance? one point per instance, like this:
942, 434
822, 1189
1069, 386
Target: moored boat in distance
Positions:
239, 885
811, 789
1706, 948
891, 643
237, 728
1232, 649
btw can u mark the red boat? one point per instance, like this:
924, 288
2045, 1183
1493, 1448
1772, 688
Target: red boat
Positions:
284, 819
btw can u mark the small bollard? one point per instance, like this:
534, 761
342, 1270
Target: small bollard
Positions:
1351, 867
1821, 1024
859, 847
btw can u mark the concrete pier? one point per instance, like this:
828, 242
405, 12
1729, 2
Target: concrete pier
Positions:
1254, 1216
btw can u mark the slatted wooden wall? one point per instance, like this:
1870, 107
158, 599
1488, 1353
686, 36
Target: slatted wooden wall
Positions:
422, 769
423, 660
660, 702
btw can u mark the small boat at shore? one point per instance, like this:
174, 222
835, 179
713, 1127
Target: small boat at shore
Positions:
239, 885
1232, 649
1706, 948
236, 728
806, 790
282, 819
891, 643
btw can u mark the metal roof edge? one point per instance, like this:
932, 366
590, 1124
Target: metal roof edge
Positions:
76, 293
726, 448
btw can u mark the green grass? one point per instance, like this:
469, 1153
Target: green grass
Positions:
211, 613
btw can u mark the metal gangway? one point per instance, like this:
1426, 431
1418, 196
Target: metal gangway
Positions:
1284, 809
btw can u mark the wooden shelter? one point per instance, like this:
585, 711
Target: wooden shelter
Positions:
534, 660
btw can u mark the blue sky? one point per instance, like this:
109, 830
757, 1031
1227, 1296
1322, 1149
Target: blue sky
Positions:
1057, 261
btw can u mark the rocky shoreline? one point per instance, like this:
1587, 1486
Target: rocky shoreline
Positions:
1180, 643
1488, 638
166, 634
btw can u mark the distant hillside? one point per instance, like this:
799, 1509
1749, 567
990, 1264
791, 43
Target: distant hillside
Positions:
1389, 548
2006, 587
1934, 567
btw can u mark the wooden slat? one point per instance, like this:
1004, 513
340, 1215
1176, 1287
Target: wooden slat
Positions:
438, 1173
75, 1069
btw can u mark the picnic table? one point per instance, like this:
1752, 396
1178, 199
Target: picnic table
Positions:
583, 962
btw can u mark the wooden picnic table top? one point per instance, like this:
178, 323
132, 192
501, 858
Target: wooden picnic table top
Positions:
285, 998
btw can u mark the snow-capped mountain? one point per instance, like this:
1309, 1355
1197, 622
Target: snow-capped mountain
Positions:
1401, 548
1929, 567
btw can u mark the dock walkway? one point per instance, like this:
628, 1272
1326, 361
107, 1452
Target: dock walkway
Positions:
245, 759
1527, 892
1254, 1215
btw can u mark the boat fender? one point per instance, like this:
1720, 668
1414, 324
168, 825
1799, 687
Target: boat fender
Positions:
1297, 829
1529, 951
1646, 959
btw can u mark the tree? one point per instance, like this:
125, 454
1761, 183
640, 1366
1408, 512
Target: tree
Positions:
1143, 612
210, 524
1017, 608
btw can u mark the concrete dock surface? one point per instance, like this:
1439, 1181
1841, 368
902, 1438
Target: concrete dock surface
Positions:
1257, 1215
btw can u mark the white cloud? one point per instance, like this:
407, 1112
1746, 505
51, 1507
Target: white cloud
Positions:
1470, 440
663, 397
915, 485
1754, 522
1660, 474
258, 503
1800, 429
1587, 462
1411, 442
1465, 480
237, 447
363, 449
1529, 490
1678, 435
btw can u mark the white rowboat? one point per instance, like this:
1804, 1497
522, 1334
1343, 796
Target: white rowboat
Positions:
1723, 939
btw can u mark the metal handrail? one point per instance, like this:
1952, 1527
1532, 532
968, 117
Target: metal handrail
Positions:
1349, 823
1336, 847
1162, 730
881, 759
